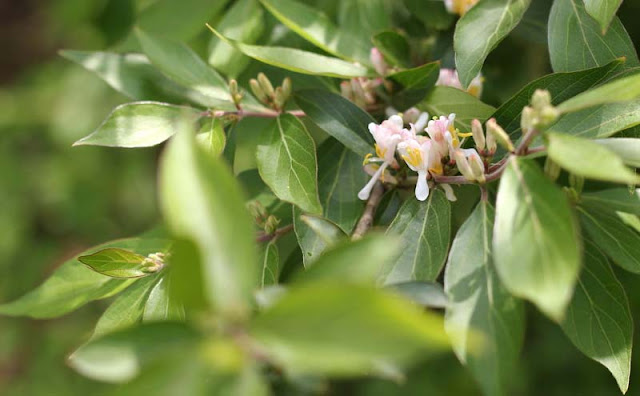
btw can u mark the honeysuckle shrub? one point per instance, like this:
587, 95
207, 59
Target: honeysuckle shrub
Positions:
338, 201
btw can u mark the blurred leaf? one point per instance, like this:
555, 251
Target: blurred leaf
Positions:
602, 11
116, 263
127, 309
137, 124
432, 13
427, 294
588, 159
599, 321
615, 199
212, 139
600, 121
315, 27
364, 18
445, 100
619, 90
480, 30
562, 86
161, 304
297, 60
326, 230
329, 329
119, 357
612, 235
480, 305
394, 47
310, 243
244, 21
626, 148
73, 285
357, 261
287, 163
202, 202
425, 229
535, 241
178, 62
570, 23
270, 265
415, 83
339, 118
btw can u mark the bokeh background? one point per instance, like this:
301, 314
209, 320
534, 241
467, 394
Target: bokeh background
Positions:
56, 200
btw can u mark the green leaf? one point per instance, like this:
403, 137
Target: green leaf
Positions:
315, 27
616, 199
161, 304
481, 306
116, 263
602, 11
119, 357
394, 47
535, 241
339, 118
562, 86
427, 294
415, 84
600, 121
619, 90
211, 137
352, 261
202, 202
588, 159
73, 285
432, 13
270, 265
127, 309
613, 236
310, 243
368, 328
480, 30
576, 41
364, 18
325, 229
244, 21
599, 321
297, 60
287, 163
445, 100
137, 124
425, 229
178, 62
626, 148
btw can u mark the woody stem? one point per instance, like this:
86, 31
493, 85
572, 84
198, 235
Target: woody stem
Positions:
366, 220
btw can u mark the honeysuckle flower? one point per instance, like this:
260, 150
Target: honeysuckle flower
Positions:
443, 134
378, 61
416, 118
459, 7
449, 78
416, 153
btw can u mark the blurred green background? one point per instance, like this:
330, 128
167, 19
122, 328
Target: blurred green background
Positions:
56, 200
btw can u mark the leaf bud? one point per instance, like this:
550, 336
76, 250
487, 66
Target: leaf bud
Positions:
257, 91
286, 88
265, 84
271, 225
495, 134
547, 116
541, 98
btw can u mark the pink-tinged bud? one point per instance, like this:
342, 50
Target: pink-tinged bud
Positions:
378, 61
477, 166
463, 165
478, 134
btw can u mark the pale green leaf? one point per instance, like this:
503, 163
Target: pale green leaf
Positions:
116, 263
480, 30
626, 148
576, 41
619, 90
480, 306
270, 265
297, 60
588, 159
287, 163
137, 124
325, 229
600, 121
445, 100
161, 304
211, 137
602, 11
427, 294
425, 229
535, 241
310, 243
599, 321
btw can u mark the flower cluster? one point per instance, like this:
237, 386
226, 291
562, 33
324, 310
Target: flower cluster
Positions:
430, 148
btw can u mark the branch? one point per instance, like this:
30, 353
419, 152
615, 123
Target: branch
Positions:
245, 113
366, 220
264, 237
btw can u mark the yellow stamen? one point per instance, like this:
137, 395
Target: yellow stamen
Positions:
438, 170
366, 159
413, 157
380, 152
465, 135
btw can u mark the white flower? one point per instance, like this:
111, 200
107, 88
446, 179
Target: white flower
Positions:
443, 134
416, 153
449, 78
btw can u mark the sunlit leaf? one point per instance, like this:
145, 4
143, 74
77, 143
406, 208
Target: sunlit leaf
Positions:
446, 100
619, 90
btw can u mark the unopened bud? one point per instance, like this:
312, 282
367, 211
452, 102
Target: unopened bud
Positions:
286, 88
576, 182
541, 98
478, 134
463, 165
358, 93
233, 87
257, 211
271, 225
378, 61
528, 119
448, 192
265, 84
477, 166
551, 169
257, 91
498, 135
278, 98
547, 116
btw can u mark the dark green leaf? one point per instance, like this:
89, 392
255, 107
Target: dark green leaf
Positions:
599, 321
535, 241
480, 30
137, 124
345, 330
415, 84
394, 47
617, 199
116, 263
445, 100
339, 118
576, 41
481, 306
270, 265
364, 18
425, 230
287, 162
602, 11
588, 159
432, 13
427, 294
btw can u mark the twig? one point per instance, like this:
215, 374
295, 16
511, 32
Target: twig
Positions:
245, 113
366, 220
264, 237
526, 141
